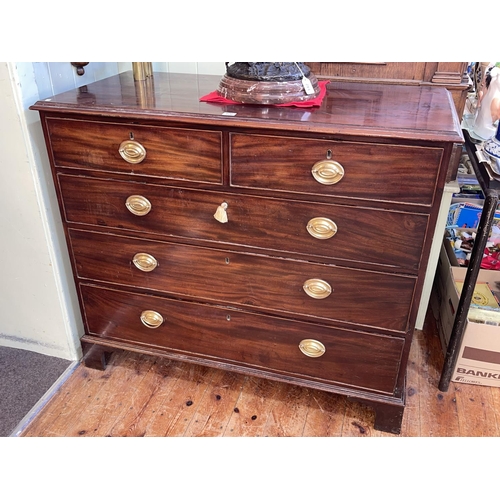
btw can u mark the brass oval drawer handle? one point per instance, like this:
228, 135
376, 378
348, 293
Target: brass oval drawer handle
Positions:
327, 172
138, 205
312, 348
151, 319
317, 289
144, 262
132, 151
321, 228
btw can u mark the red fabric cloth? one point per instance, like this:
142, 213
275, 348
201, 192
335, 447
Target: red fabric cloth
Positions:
215, 97
491, 260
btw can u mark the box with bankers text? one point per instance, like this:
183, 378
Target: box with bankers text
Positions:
479, 355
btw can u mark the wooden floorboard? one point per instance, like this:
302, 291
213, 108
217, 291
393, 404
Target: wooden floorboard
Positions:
141, 395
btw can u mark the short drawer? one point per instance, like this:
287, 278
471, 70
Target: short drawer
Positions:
255, 281
399, 174
175, 153
350, 358
357, 234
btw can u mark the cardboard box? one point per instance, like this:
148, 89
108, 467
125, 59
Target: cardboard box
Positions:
479, 355
444, 303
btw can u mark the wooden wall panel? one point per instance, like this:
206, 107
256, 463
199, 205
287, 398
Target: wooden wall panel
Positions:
451, 75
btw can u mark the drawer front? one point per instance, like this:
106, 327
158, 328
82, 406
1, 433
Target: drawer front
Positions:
194, 155
400, 174
271, 284
359, 360
332, 231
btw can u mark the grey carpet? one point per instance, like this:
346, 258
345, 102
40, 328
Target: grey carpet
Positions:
25, 377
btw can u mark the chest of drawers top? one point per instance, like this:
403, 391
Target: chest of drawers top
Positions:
349, 109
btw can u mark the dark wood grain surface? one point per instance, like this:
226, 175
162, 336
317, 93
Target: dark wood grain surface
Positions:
349, 108
259, 342
254, 281
194, 155
253, 222
372, 171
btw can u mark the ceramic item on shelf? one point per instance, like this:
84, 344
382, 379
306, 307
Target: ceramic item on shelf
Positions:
492, 146
489, 107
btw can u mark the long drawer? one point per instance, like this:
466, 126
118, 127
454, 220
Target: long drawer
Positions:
272, 284
356, 359
401, 174
174, 153
357, 234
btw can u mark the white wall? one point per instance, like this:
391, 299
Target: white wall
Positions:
38, 304
201, 68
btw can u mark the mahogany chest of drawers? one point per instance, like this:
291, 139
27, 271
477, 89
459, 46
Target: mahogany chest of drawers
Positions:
286, 243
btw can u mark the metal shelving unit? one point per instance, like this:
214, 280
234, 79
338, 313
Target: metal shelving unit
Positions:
491, 189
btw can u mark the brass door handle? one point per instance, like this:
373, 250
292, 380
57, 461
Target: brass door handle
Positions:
321, 228
138, 205
312, 348
328, 172
145, 262
317, 289
151, 319
132, 151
